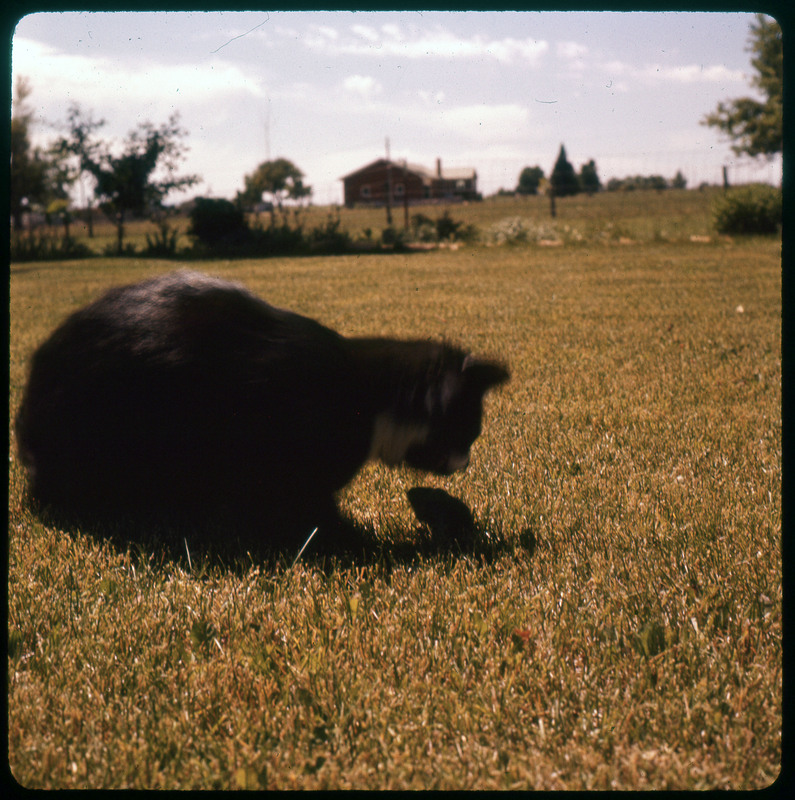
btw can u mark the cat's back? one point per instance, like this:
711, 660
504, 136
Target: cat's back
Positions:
181, 316
185, 340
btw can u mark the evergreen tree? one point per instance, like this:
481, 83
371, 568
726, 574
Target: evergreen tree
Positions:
564, 180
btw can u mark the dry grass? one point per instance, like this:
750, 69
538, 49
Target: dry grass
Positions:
644, 216
628, 637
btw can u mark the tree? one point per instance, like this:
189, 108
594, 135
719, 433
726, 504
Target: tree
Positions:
280, 179
529, 180
589, 179
80, 146
679, 181
29, 165
126, 183
60, 179
757, 128
656, 182
40, 179
563, 179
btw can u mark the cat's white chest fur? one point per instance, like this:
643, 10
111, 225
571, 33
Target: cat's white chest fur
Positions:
392, 439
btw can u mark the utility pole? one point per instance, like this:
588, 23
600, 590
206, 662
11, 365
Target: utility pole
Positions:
405, 195
268, 131
388, 186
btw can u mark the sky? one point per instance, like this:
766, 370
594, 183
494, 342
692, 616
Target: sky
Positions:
495, 91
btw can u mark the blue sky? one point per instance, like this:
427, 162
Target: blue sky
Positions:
496, 91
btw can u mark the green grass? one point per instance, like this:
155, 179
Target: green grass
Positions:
637, 645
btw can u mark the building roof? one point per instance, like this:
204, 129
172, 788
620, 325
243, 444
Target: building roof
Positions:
457, 174
379, 162
461, 173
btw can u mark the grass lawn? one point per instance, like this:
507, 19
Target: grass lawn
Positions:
628, 636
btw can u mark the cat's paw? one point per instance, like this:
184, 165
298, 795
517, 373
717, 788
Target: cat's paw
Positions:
447, 517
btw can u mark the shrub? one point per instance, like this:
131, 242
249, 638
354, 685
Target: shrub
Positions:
447, 227
43, 247
423, 228
162, 244
444, 228
755, 208
218, 224
329, 238
276, 240
392, 237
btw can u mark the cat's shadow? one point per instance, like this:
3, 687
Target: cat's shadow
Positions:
444, 528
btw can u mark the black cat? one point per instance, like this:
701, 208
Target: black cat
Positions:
188, 395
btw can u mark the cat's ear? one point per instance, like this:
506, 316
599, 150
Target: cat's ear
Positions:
484, 374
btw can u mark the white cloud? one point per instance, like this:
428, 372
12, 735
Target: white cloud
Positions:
96, 79
696, 73
431, 98
365, 32
571, 50
392, 40
392, 31
615, 67
617, 87
328, 32
506, 50
362, 85
686, 73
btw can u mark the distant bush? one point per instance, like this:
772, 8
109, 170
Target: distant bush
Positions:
423, 228
444, 228
34, 246
394, 238
641, 182
218, 224
221, 228
449, 229
755, 208
275, 240
162, 244
329, 238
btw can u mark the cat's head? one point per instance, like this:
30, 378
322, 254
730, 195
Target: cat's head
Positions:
455, 409
439, 431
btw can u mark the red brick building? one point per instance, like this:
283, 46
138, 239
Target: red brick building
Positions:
371, 185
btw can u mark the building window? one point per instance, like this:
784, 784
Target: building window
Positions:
364, 191
400, 190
